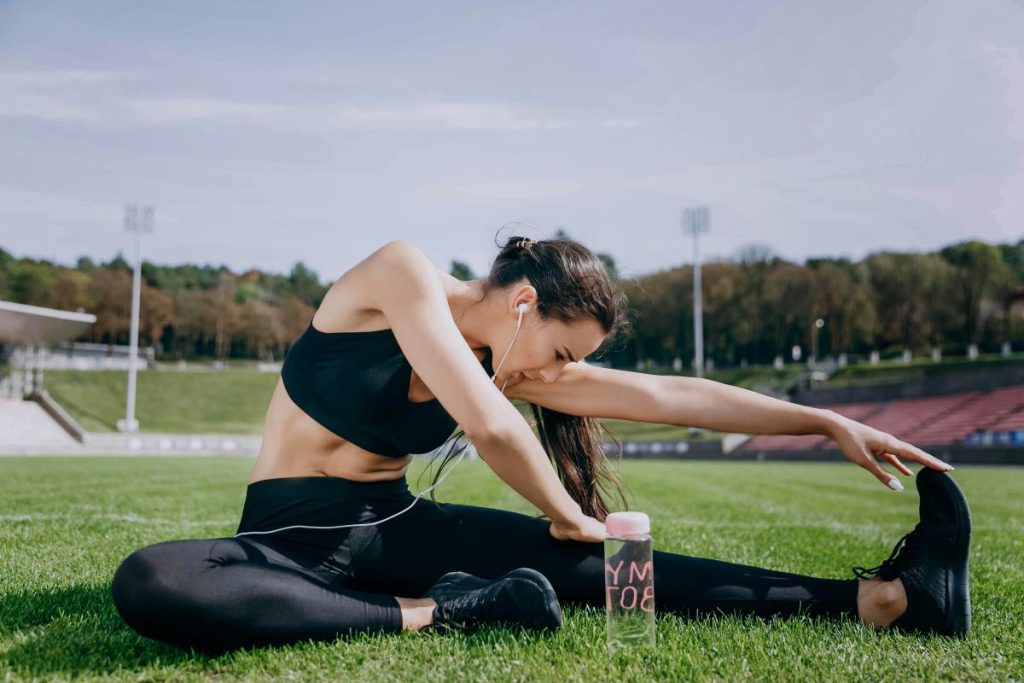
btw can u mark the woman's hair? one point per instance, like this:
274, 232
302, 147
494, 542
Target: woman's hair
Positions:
572, 283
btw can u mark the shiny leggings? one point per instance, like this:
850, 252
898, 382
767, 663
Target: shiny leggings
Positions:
298, 584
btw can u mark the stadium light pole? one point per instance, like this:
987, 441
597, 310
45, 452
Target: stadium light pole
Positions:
696, 221
137, 219
818, 324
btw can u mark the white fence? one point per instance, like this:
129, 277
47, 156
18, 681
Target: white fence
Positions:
80, 356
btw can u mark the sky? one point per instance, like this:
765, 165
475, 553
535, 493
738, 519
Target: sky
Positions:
270, 133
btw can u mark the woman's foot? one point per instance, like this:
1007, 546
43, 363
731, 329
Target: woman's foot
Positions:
522, 596
879, 602
417, 613
930, 562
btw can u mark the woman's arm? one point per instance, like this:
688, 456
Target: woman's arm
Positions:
401, 282
587, 390
594, 391
731, 409
705, 403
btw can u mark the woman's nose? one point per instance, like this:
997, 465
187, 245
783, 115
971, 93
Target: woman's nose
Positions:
549, 375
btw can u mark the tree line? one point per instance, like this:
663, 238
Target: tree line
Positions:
756, 305
185, 311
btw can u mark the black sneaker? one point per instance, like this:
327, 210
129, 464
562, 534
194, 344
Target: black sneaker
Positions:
523, 596
933, 563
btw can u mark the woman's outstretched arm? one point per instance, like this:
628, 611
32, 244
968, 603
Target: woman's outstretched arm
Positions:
705, 403
594, 391
588, 390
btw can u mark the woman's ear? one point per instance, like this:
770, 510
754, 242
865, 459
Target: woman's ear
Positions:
525, 294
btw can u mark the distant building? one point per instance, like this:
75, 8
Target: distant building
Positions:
27, 333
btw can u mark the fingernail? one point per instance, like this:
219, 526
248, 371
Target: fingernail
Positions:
895, 485
951, 468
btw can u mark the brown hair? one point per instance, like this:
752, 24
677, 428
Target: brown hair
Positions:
571, 283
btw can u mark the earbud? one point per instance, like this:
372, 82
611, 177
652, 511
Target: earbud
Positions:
523, 308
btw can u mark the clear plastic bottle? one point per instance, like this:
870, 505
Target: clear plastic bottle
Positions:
629, 580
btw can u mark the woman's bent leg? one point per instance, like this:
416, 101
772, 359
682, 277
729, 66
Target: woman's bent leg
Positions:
492, 542
220, 594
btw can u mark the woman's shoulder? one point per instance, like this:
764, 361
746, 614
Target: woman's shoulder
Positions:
348, 305
398, 257
404, 257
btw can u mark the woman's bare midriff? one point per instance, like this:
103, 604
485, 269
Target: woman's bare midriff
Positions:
296, 445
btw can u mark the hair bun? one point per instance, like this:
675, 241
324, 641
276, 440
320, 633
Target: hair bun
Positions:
524, 244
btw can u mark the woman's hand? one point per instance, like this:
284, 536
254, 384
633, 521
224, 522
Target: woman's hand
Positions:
862, 444
582, 528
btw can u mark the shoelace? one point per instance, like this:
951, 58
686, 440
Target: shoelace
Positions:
891, 561
908, 547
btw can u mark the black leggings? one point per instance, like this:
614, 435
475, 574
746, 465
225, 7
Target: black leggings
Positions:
299, 584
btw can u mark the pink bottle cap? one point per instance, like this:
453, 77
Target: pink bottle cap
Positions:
627, 524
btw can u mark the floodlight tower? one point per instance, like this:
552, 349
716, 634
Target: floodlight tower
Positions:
137, 219
695, 221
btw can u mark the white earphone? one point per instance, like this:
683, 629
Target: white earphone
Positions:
523, 308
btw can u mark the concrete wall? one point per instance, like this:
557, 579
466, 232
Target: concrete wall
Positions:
976, 455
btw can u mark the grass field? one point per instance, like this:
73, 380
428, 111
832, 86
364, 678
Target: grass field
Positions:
224, 402
67, 522
235, 402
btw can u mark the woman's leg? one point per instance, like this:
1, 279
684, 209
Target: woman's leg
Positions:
411, 553
681, 583
220, 594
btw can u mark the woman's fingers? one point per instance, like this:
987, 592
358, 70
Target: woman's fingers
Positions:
895, 462
911, 452
892, 453
880, 472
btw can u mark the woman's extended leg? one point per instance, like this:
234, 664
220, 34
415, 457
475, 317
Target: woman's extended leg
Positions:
488, 542
219, 594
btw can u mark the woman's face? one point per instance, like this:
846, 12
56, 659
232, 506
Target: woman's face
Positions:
543, 348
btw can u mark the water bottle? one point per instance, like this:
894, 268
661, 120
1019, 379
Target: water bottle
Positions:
629, 579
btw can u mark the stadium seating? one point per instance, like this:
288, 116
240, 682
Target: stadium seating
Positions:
994, 410
930, 421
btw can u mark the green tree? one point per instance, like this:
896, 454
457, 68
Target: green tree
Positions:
609, 264
119, 263
85, 265
980, 269
32, 282
305, 285
462, 271
7, 266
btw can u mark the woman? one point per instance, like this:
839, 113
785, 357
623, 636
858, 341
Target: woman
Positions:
331, 541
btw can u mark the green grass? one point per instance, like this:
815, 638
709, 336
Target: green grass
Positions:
917, 370
860, 374
756, 377
234, 402
67, 523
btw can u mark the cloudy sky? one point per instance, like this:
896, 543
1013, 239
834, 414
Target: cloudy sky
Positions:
268, 133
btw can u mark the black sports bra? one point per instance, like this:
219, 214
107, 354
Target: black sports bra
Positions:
356, 384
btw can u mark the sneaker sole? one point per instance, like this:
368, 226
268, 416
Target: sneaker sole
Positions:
958, 594
551, 619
